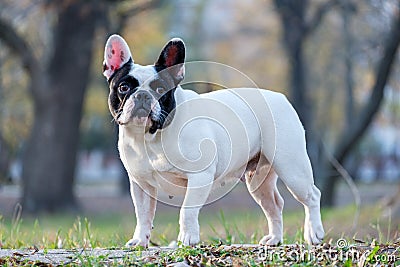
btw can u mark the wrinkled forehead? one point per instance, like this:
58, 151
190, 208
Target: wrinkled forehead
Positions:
144, 74
147, 76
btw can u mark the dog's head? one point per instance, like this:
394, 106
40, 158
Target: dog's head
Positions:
143, 96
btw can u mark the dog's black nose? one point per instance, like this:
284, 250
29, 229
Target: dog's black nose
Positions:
142, 99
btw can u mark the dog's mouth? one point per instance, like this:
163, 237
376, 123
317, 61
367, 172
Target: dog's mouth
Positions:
139, 117
149, 117
150, 120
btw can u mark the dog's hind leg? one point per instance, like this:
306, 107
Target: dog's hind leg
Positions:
295, 171
285, 147
263, 189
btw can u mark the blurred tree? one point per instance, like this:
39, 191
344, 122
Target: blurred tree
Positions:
15, 113
58, 81
5, 150
347, 11
297, 26
352, 134
57, 90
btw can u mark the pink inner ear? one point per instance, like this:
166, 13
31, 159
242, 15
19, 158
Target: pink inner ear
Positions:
116, 54
172, 53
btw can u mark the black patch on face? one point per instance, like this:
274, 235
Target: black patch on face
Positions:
121, 76
157, 84
166, 99
170, 72
167, 105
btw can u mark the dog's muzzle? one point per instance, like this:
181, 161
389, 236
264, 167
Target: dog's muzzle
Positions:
140, 109
142, 101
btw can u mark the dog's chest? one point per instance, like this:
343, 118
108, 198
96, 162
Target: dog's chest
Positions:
147, 163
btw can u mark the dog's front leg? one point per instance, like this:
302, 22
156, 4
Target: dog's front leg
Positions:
144, 199
198, 189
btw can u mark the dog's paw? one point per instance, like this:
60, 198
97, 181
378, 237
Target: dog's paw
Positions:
188, 238
271, 240
138, 242
314, 235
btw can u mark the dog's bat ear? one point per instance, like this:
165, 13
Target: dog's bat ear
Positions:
116, 54
172, 58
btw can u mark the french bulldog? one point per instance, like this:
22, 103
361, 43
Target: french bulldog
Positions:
188, 144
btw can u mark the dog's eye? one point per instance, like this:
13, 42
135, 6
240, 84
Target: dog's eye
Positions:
123, 89
160, 90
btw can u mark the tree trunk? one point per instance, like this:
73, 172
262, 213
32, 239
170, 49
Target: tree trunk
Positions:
5, 161
295, 31
4, 147
291, 13
347, 11
50, 156
350, 137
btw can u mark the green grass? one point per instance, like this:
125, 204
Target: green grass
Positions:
217, 229
240, 226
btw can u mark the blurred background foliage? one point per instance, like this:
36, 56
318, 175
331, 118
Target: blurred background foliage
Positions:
341, 52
